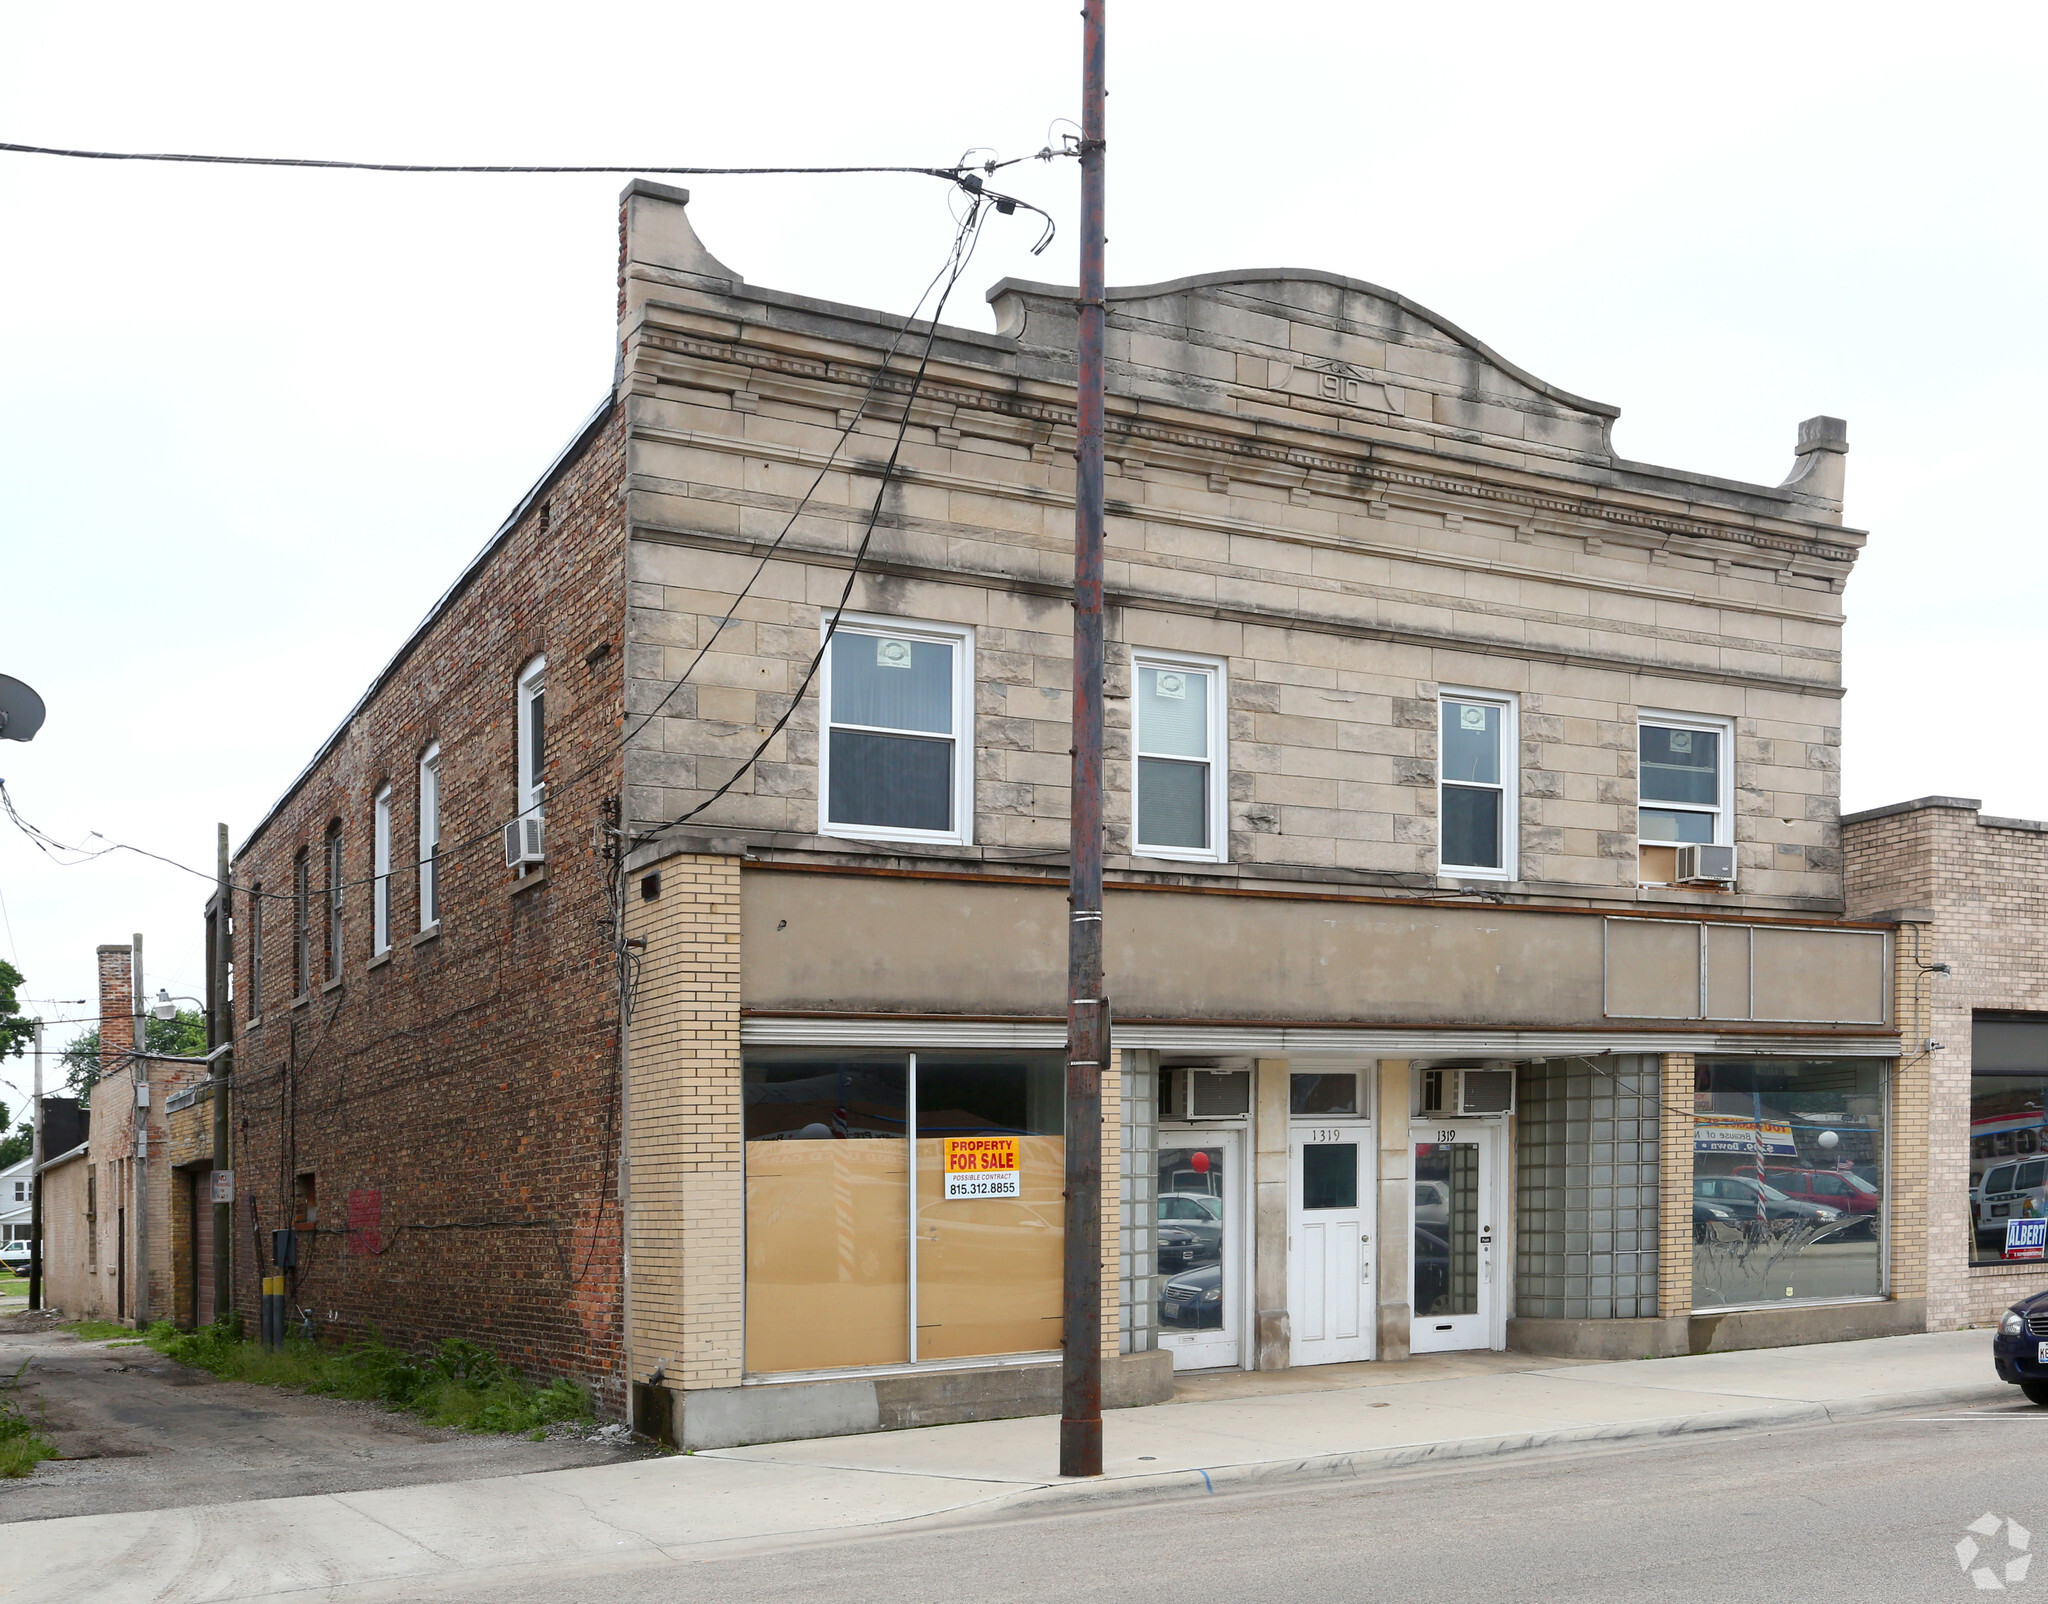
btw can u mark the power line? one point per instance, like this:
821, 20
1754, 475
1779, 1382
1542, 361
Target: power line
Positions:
970, 176
964, 246
965, 240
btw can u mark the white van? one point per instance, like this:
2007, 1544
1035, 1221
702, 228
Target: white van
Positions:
2018, 1188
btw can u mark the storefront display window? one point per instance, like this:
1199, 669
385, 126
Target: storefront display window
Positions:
2008, 1141
1788, 1180
836, 1278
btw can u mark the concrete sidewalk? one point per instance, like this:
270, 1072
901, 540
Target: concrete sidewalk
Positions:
407, 1542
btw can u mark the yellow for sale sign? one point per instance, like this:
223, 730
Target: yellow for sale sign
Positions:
982, 1166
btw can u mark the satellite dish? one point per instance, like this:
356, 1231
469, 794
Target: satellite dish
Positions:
21, 710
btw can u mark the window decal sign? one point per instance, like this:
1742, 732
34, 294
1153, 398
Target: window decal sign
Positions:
1727, 1133
2026, 1239
982, 1166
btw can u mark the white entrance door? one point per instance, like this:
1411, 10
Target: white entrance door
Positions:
1329, 1243
1454, 1268
1199, 1247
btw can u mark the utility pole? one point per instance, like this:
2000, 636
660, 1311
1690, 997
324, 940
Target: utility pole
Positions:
1087, 1008
35, 1185
140, 1072
221, 1031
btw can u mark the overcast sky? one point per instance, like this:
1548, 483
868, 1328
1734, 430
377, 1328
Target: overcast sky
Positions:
252, 423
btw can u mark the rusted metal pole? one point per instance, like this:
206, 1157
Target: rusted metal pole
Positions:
1087, 1008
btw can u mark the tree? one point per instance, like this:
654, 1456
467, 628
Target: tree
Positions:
181, 1036
15, 1032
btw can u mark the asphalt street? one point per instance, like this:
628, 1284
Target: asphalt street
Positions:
1871, 1510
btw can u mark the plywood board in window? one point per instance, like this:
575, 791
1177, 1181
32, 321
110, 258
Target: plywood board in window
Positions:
827, 1251
988, 1269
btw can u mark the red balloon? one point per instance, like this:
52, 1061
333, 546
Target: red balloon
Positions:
1201, 1162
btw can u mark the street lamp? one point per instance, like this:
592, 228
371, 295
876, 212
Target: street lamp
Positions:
166, 1006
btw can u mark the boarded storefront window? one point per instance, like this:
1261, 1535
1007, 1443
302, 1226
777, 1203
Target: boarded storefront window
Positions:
835, 1276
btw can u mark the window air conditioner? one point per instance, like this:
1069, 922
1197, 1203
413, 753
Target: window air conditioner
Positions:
1476, 1091
1208, 1094
1706, 865
524, 838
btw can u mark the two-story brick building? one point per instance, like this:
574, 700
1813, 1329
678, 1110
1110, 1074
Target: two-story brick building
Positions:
1475, 913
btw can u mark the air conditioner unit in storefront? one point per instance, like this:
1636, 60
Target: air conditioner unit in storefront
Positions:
1462, 1093
1703, 865
1208, 1094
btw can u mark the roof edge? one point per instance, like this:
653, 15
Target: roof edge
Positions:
1962, 804
1311, 275
554, 470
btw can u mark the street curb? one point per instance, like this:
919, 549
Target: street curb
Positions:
1257, 1475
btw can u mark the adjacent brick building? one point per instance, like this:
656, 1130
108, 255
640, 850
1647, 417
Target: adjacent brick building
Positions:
1474, 880
1971, 893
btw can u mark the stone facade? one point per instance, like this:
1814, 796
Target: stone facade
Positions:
1972, 891
1346, 499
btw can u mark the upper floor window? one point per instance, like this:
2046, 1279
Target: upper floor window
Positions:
430, 836
1179, 773
1476, 785
1681, 781
334, 890
380, 870
302, 924
897, 761
255, 1009
533, 724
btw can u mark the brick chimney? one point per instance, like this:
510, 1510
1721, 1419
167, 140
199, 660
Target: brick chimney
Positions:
117, 1003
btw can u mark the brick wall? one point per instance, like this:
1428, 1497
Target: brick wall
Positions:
1674, 1186
463, 1084
688, 1246
1984, 883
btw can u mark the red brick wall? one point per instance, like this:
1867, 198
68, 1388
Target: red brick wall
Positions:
469, 1077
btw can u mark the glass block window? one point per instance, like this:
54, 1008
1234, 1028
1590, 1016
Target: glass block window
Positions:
1586, 1174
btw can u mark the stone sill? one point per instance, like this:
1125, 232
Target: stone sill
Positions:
539, 877
380, 960
431, 933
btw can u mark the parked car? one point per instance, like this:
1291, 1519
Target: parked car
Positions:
2007, 1191
1706, 1216
1193, 1301
1432, 1269
2019, 1352
1749, 1198
1834, 1189
1180, 1249
14, 1256
1199, 1219
1433, 1204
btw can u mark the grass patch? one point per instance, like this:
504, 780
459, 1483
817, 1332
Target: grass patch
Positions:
458, 1383
23, 1443
96, 1330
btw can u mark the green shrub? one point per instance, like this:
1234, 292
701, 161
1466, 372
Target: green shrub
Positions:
459, 1383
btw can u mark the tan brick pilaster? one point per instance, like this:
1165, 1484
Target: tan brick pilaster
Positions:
1674, 1186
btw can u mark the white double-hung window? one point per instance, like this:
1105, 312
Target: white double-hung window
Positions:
430, 836
897, 759
1476, 785
1682, 780
533, 728
1179, 772
380, 870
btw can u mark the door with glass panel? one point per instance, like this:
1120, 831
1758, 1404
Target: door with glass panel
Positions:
1329, 1243
1455, 1266
1199, 1247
